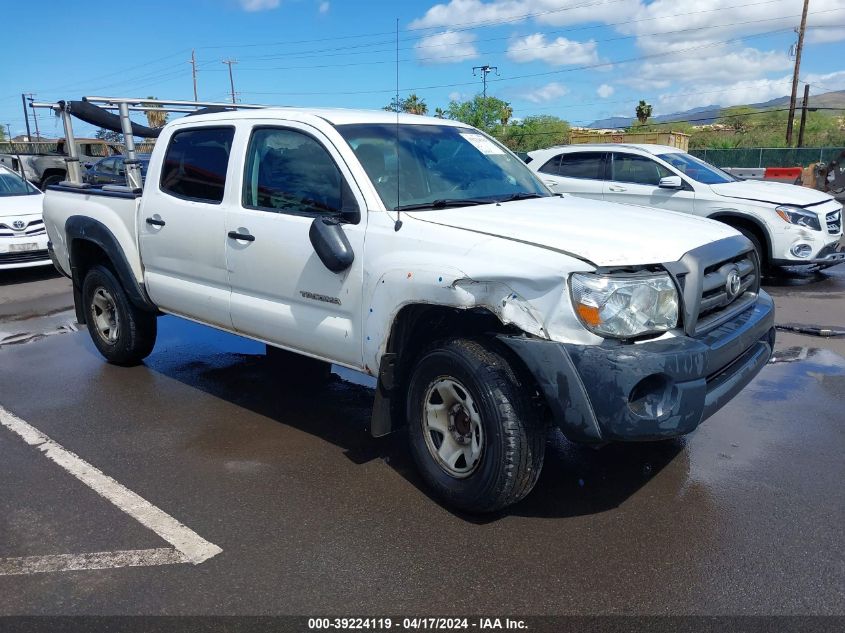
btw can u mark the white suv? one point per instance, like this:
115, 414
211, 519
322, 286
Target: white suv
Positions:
787, 224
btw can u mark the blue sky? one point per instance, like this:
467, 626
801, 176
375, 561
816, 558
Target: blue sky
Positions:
577, 59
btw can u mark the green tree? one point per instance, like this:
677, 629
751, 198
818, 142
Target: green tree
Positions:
485, 113
439, 113
643, 112
535, 132
108, 136
411, 105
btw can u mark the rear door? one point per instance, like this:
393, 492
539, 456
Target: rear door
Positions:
578, 173
634, 179
281, 291
182, 226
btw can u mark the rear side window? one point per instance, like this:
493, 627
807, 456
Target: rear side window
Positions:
587, 165
195, 163
106, 166
551, 166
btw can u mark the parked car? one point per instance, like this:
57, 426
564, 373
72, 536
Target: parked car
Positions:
23, 240
112, 170
423, 252
787, 224
44, 163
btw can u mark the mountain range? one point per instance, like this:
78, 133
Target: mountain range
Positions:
711, 113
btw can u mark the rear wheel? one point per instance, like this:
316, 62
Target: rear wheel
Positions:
53, 179
473, 430
122, 333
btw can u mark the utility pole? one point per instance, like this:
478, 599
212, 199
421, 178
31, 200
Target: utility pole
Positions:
804, 108
229, 63
9, 128
485, 70
26, 117
193, 63
34, 116
801, 29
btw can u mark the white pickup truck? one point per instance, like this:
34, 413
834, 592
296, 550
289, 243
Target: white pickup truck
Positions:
423, 252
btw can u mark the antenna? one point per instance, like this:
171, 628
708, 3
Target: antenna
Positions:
398, 224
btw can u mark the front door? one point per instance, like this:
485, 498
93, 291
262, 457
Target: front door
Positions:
281, 291
635, 179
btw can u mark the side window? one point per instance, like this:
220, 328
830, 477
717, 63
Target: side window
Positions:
119, 167
290, 172
588, 165
551, 167
106, 166
195, 163
638, 170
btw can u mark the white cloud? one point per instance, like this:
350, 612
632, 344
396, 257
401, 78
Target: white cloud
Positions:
551, 12
720, 64
259, 5
544, 94
324, 7
447, 47
560, 52
605, 90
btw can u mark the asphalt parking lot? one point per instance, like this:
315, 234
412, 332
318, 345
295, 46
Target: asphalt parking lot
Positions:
294, 509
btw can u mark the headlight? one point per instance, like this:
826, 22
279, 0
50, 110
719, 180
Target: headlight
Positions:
625, 306
799, 216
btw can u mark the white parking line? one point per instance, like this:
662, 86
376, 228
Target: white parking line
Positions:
189, 546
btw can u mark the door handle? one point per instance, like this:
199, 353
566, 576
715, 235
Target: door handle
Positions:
155, 222
615, 188
246, 237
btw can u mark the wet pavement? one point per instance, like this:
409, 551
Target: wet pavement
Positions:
744, 516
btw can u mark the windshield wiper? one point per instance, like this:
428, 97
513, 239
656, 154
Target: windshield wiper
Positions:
442, 203
522, 196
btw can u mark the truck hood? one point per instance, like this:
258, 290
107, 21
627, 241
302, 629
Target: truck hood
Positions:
771, 192
14, 206
602, 233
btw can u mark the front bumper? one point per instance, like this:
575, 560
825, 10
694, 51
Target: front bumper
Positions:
651, 390
35, 255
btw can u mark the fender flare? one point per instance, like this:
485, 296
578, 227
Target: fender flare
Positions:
85, 229
727, 213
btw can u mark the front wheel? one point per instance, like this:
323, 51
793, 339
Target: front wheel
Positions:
122, 333
473, 429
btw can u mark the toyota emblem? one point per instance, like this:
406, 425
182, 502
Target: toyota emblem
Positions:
733, 283
18, 225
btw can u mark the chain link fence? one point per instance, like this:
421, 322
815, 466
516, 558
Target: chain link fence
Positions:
768, 156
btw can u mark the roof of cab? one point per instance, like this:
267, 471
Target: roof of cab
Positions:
335, 116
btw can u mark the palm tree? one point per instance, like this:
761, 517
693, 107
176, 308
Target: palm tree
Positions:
414, 105
439, 113
643, 112
156, 117
506, 114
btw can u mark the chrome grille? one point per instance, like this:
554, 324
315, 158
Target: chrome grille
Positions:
32, 229
719, 301
834, 222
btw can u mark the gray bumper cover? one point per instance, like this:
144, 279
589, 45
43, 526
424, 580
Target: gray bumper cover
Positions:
675, 384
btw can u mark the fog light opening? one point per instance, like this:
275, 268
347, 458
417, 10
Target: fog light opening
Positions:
653, 397
801, 250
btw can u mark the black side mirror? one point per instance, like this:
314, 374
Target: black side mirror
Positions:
331, 244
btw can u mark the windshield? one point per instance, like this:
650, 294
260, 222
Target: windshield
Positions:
419, 166
13, 185
697, 169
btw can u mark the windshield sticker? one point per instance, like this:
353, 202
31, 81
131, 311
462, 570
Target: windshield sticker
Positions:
482, 144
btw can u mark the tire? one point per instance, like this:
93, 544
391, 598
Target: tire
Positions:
762, 254
53, 179
123, 334
465, 397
